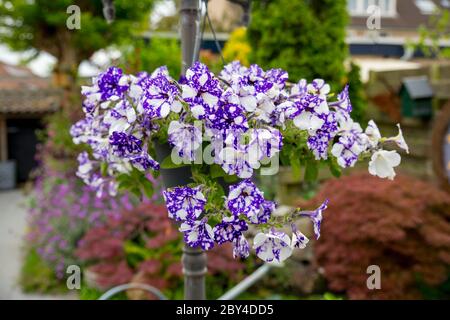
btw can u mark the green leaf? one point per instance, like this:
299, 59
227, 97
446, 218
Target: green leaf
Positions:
147, 187
167, 163
216, 171
136, 191
104, 169
312, 170
335, 169
230, 179
294, 160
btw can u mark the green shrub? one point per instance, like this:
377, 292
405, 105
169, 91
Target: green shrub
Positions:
309, 41
37, 276
149, 55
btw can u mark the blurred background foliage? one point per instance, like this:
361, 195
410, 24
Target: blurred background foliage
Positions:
147, 55
402, 226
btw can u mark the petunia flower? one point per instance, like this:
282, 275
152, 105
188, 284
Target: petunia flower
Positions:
198, 233
316, 217
229, 229
245, 198
241, 247
318, 87
373, 133
265, 142
201, 90
274, 246
236, 160
299, 240
109, 85
120, 117
159, 95
264, 214
383, 162
185, 138
184, 203
399, 140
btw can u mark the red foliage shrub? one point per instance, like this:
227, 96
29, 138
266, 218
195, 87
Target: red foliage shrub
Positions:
403, 226
144, 245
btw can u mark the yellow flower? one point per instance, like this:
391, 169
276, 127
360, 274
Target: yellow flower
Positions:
237, 47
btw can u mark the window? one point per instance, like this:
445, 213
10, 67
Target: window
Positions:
361, 7
426, 6
352, 5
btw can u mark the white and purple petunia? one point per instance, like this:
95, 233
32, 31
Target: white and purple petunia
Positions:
201, 90
89, 172
229, 229
236, 160
299, 240
185, 138
228, 114
264, 214
198, 233
241, 247
274, 246
232, 70
245, 198
316, 217
158, 95
265, 142
351, 143
184, 203
245, 112
120, 117
319, 87
109, 84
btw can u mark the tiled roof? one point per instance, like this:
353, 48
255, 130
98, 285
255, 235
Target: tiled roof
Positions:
30, 101
21, 91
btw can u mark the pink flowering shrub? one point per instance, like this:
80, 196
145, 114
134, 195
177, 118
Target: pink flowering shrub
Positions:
143, 245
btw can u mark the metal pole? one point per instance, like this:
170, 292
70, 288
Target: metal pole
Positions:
247, 282
193, 260
189, 32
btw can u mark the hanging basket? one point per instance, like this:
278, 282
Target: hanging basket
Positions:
172, 177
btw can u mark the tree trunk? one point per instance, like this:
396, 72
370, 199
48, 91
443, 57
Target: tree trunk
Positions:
65, 72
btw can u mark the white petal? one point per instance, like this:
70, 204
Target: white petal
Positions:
322, 108
197, 111
393, 158
337, 150
249, 103
210, 99
302, 120
131, 114
173, 126
203, 78
165, 109
176, 106
187, 91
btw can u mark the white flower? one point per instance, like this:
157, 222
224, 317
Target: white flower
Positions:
274, 246
308, 121
399, 140
383, 162
373, 133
